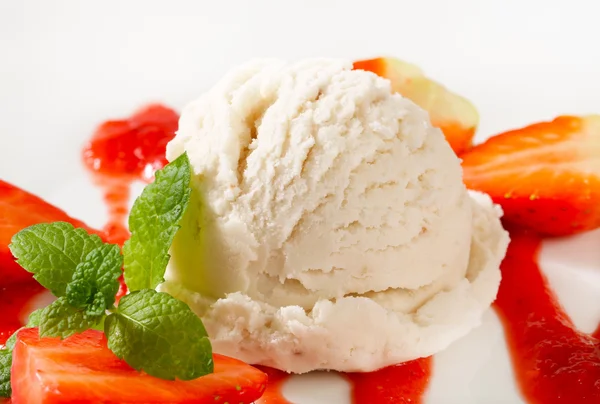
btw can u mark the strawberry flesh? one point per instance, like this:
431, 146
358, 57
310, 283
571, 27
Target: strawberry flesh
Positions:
81, 369
545, 176
20, 209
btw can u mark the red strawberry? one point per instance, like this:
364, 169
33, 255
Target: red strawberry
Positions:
20, 209
546, 176
81, 369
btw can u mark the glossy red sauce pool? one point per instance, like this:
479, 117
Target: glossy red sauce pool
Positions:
133, 147
123, 151
398, 384
552, 360
273, 393
15, 305
596, 334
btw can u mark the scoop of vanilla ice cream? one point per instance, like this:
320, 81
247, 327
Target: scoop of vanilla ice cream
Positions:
329, 227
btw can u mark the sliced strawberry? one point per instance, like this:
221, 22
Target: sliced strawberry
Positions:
81, 369
546, 176
450, 112
20, 209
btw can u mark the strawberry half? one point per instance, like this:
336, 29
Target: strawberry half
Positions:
81, 369
20, 209
545, 176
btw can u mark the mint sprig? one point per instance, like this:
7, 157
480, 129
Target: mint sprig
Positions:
153, 223
150, 324
151, 331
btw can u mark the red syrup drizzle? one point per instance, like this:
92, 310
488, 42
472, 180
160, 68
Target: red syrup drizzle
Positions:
124, 151
596, 334
553, 361
273, 394
14, 306
397, 384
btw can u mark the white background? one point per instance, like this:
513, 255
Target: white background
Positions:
65, 66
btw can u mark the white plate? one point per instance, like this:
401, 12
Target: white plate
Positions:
65, 66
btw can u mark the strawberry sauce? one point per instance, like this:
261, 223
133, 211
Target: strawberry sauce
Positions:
553, 361
596, 334
124, 151
398, 384
14, 306
273, 393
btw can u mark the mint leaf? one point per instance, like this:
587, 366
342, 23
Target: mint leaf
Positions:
34, 319
11, 341
78, 293
98, 305
60, 319
153, 222
5, 364
96, 277
99, 326
52, 251
155, 332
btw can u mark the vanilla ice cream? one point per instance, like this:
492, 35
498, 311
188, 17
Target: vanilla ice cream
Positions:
329, 227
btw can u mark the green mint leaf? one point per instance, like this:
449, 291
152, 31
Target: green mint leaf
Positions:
11, 341
78, 293
155, 332
99, 326
153, 222
34, 319
5, 364
97, 274
60, 319
98, 305
52, 251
